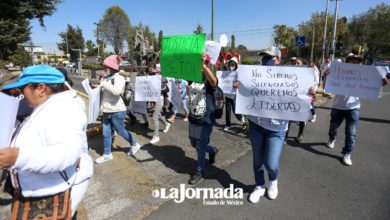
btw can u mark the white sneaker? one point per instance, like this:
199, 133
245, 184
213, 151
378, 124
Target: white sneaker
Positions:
347, 159
272, 191
185, 119
313, 118
256, 194
166, 128
226, 128
155, 139
134, 149
104, 158
330, 143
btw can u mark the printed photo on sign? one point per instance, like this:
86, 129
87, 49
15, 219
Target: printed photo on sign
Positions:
174, 95
361, 81
148, 88
274, 92
225, 81
213, 48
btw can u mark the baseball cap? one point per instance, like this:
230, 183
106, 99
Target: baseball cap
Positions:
272, 51
38, 74
352, 56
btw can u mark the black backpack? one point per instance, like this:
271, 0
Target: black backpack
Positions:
219, 100
127, 93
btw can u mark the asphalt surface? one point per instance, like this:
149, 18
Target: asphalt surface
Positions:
313, 183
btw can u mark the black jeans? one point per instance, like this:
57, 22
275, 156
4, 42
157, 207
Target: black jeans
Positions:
230, 104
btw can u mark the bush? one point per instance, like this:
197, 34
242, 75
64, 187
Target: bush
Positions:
91, 66
250, 61
2, 64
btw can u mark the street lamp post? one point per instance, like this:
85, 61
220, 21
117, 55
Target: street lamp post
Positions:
332, 50
325, 29
79, 64
97, 37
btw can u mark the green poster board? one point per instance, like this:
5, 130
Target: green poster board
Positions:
181, 56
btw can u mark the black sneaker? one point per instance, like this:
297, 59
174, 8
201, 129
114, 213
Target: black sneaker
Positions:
299, 139
145, 125
196, 177
212, 156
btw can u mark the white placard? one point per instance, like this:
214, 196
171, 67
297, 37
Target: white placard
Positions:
174, 95
9, 110
361, 81
148, 88
213, 48
225, 81
274, 92
139, 107
94, 101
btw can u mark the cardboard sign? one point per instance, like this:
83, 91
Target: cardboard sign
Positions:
226, 80
148, 88
212, 49
181, 56
274, 92
361, 81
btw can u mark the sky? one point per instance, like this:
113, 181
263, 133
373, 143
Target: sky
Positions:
251, 21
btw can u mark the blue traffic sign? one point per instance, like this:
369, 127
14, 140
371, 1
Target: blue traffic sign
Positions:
300, 41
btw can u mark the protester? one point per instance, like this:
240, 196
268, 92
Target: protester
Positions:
230, 102
114, 109
267, 136
157, 113
201, 118
48, 153
324, 72
348, 108
181, 85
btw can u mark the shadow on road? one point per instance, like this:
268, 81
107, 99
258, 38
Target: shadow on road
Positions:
375, 120
311, 148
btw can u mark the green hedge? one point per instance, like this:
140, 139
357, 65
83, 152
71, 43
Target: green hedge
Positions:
91, 66
250, 61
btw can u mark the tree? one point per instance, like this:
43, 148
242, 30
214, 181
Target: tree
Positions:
199, 29
21, 57
115, 27
27, 9
15, 19
160, 38
91, 49
242, 50
75, 41
233, 44
285, 37
370, 30
12, 33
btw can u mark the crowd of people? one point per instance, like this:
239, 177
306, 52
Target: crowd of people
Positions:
45, 159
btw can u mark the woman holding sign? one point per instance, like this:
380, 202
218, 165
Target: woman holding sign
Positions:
348, 108
201, 118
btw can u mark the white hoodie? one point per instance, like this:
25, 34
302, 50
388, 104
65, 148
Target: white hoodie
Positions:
51, 140
112, 88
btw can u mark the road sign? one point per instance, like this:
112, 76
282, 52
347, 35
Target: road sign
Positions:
300, 41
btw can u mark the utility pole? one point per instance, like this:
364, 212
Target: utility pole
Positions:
212, 19
332, 50
32, 52
312, 43
97, 37
325, 29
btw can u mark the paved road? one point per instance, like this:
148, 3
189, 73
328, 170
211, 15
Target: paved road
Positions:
313, 183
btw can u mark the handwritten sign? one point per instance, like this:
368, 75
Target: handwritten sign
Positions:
225, 81
181, 56
361, 81
174, 95
94, 101
274, 92
148, 88
212, 49
139, 107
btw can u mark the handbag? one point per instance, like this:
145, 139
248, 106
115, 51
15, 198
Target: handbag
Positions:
53, 207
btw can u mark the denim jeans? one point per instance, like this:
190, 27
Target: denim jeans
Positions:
116, 121
267, 147
157, 115
202, 146
184, 102
351, 124
231, 105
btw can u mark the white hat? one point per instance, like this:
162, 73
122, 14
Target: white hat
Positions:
272, 51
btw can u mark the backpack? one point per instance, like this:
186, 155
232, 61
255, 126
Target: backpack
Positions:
127, 93
219, 101
197, 101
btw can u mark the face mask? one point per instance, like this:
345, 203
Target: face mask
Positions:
231, 68
268, 61
106, 74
